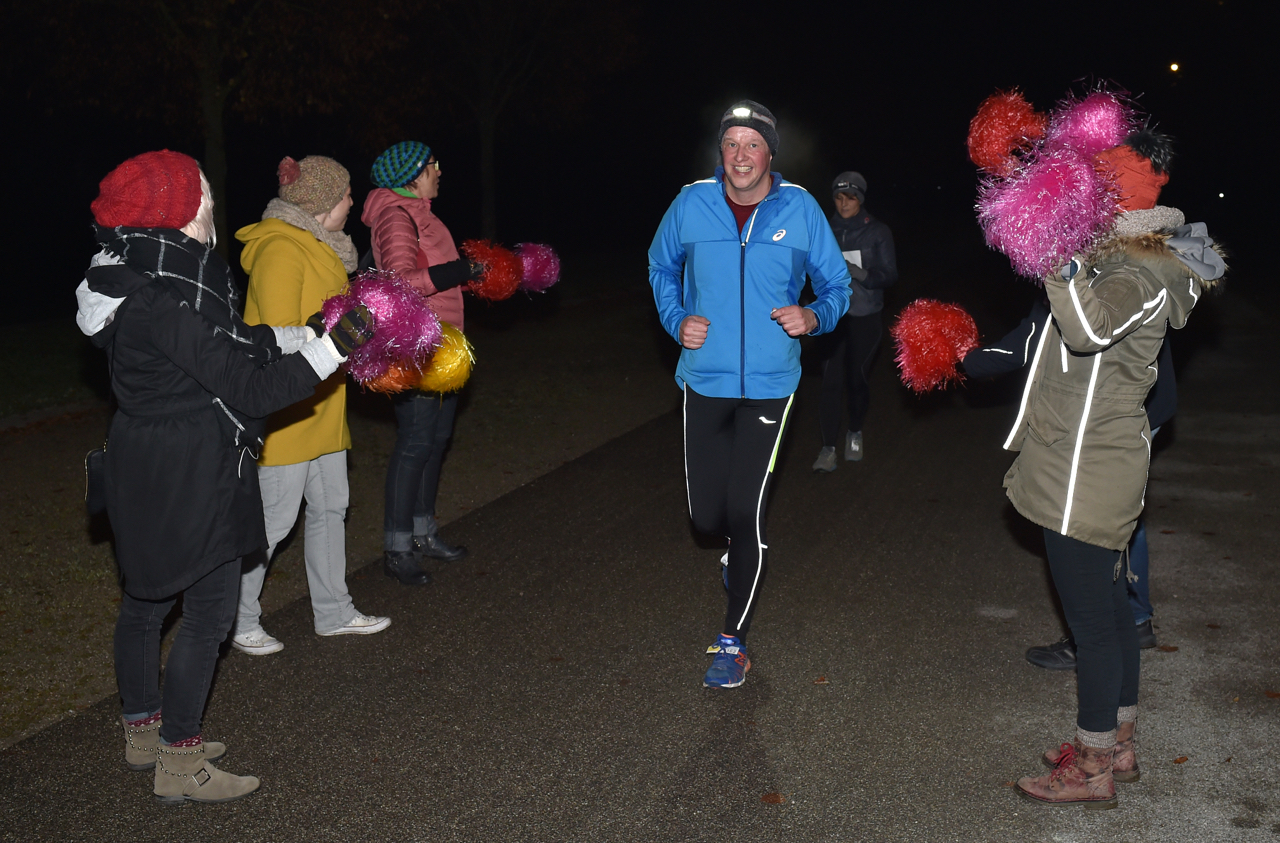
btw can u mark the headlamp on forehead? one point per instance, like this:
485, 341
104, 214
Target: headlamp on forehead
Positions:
743, 113
842, 186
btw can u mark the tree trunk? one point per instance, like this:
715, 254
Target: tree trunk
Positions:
213, 103
486, 123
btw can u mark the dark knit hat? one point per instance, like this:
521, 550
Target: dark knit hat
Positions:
400, 164
315, 184
852, 183
753, 115
151, 190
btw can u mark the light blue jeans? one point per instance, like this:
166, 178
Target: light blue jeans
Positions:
323, 482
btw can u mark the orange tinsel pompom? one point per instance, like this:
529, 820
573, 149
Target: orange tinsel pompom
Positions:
932, 338
1005, 123
398, 377
502, 270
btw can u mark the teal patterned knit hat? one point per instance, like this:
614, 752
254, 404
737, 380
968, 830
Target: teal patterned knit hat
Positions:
400, 164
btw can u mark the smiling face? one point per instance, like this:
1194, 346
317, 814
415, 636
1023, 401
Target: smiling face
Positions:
847, 205
746, 160
427, 184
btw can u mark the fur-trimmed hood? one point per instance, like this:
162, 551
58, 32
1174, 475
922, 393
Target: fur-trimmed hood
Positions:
1189, 245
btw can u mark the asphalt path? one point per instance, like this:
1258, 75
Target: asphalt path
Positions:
548, 688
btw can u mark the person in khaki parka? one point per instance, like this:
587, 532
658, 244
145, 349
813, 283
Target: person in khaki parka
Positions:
1084, 444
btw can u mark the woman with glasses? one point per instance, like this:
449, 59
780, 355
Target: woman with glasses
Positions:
411, 240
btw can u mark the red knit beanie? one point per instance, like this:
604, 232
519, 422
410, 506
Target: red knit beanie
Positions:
151, 190
1136, 183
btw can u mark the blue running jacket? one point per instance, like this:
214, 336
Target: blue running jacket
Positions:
700, 265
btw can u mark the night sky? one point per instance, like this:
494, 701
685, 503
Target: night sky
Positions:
886, 88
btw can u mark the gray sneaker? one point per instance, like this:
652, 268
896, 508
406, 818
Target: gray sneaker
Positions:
826, 460
853, 446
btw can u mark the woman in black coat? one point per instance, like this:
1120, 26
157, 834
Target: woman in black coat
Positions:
193, 383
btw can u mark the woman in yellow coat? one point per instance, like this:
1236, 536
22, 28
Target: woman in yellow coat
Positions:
297, 257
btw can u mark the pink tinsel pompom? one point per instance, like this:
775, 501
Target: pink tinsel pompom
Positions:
932, 337
1046, 211
1005, 123
1099, 121
502, 270
405, 328
541, 267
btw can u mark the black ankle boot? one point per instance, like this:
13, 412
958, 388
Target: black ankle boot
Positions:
434, 547
401, 565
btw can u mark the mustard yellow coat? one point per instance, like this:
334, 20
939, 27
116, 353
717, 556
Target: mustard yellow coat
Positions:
291, 273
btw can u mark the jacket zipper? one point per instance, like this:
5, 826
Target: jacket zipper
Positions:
742, 303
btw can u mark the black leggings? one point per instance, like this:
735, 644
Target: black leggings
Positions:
730, 445
1096, 602
850, 349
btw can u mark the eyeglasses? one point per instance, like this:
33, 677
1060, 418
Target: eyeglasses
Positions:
435, 163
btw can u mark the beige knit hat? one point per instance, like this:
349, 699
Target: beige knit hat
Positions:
315, 184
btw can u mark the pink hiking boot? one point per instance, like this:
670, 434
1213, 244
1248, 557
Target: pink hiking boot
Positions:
1082, 776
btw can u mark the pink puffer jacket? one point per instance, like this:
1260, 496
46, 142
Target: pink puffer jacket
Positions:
408, 238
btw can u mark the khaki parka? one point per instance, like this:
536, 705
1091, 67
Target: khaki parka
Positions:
1081, 432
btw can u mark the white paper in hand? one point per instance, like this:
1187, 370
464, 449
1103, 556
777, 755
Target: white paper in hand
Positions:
853, 256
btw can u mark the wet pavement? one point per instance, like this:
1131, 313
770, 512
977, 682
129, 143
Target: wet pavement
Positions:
548, 688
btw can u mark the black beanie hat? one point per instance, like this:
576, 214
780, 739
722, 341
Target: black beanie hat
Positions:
850, 182
753, 115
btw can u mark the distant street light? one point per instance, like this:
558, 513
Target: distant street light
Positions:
1174, 67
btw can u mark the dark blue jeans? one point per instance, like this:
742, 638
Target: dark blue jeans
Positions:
424, 425
208, 610
1096, 603
1140, 564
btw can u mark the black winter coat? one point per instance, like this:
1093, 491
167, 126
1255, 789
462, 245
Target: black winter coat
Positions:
182, 497
873, 240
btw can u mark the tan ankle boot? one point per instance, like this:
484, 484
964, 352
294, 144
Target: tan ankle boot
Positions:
140, 744
1082, 777
1124, 765
183, 773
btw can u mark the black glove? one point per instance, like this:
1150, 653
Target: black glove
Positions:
446, 276
316, 324
857, 273
352, 331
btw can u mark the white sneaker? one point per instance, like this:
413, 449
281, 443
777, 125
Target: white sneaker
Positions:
256, 643
853, 446
360, 625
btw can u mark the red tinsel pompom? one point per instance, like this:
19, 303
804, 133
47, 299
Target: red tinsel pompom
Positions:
502, 270
932, 337
289, 171
1005, 123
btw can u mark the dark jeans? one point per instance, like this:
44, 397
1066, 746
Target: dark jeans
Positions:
1140, 565
424, 425
208, 610
1096, 603
729, 449
848, 351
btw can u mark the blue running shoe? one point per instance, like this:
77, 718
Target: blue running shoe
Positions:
729, 667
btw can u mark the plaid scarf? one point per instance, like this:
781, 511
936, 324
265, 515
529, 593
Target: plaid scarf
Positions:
197, 276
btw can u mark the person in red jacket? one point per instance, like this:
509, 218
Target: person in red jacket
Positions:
411, 240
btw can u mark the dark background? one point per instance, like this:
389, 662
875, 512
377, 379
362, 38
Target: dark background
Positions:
885, 88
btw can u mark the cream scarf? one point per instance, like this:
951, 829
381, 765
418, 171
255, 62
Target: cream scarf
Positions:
339, 241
